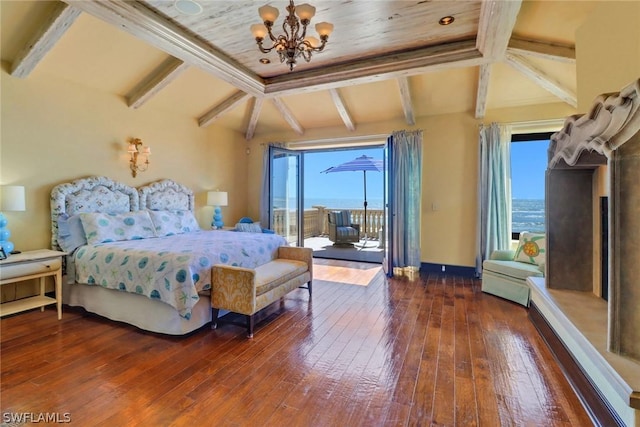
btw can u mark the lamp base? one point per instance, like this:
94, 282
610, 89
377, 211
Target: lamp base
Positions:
217, 219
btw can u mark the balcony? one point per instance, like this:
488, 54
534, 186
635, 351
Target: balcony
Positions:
316, 232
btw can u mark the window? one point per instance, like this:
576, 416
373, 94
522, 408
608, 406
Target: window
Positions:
528, 166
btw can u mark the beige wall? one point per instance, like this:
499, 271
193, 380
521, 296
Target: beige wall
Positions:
607, 50
55, 131
450, 170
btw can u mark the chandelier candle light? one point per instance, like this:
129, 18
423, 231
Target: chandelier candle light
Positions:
294, 42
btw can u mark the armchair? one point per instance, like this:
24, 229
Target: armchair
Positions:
505, 273
341, 230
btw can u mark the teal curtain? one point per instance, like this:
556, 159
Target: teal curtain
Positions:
406, 198
494, 192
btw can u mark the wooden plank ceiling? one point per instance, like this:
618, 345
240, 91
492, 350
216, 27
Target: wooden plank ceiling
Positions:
372, 42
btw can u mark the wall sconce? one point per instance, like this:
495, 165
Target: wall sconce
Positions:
217, 199
134, 151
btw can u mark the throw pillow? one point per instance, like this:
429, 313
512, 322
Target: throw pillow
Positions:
168, 223
70, 233
111, 227
531, 248
253, 227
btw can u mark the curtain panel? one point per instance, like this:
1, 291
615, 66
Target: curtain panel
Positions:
494, 192
406, 196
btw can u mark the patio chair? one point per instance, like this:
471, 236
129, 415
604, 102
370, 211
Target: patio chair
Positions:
341, 230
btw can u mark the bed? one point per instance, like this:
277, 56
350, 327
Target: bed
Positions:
137, 255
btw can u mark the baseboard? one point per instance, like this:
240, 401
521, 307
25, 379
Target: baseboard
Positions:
595, 404
449, 270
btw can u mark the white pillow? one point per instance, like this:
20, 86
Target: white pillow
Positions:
168, 223
111, 227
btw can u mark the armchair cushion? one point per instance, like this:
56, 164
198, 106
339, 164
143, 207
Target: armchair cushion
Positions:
515, 269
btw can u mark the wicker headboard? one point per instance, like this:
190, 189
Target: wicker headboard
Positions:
166, 195
93, 194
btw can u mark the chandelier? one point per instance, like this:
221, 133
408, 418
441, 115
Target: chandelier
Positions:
294, 42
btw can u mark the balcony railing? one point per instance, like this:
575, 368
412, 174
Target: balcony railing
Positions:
315, 221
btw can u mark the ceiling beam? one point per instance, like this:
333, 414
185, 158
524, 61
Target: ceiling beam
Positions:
58, 22
166, 73
288, 115
484, 73
146, 25
255, 106
540, 49
543, 79
405, 98
497, 19
225, 106
342, 109
384, 67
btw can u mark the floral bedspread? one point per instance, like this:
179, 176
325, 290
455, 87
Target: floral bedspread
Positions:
172, 269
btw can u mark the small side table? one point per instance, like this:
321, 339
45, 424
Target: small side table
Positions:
27, 265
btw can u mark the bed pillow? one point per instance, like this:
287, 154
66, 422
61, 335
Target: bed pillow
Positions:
253, 227
531, 248
70, 233
112, 227
169, 223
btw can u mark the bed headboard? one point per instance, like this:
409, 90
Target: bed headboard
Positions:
93, 194
166, 195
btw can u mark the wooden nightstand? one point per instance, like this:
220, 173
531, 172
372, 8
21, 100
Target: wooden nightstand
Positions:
32, 265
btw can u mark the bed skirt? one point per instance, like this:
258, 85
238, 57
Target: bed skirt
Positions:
137, 310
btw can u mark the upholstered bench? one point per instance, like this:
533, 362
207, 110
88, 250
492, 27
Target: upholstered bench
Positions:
249, 290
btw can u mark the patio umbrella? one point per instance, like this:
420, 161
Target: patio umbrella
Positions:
363, 163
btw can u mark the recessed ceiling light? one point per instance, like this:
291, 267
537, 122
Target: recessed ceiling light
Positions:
446, 20
188, 7
265, 61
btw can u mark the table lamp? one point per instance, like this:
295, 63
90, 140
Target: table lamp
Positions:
217, 199
11, 199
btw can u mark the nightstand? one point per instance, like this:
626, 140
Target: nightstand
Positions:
32, 265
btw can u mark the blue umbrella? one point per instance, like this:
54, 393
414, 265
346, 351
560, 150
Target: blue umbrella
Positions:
363, 163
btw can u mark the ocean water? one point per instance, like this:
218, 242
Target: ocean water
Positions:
527, 215
372, 203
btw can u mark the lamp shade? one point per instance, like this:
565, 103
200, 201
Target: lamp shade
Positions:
324, 28
12, 198
268, 13
305, 11
217, 198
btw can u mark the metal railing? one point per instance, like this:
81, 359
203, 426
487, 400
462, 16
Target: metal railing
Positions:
316, 221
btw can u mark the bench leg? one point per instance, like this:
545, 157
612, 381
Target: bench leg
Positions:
308, 287
214, 318
250, 321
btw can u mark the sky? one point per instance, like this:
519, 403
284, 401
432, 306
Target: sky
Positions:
528, 166
340, 185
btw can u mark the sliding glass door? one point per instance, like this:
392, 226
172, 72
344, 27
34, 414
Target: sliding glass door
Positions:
285, 194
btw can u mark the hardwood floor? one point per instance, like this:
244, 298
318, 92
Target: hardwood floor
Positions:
435, 351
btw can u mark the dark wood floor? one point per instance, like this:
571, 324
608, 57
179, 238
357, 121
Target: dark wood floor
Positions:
435, 351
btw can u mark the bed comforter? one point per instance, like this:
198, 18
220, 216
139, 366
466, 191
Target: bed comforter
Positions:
172, 269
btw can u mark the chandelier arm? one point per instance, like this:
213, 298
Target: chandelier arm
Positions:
262, 48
